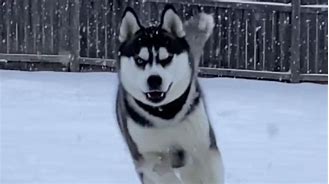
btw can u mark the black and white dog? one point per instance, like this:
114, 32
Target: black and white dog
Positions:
160, 109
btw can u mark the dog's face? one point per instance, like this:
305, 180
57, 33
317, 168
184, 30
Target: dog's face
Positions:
154, 61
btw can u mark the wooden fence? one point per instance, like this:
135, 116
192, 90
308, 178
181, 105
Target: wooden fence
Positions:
279, 41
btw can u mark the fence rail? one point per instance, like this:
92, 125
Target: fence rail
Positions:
278, 40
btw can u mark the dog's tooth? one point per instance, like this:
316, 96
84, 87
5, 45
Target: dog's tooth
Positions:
162, 94
148, 95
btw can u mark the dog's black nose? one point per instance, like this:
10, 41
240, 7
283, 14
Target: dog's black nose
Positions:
154, 82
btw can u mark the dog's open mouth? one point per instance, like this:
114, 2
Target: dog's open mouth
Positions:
157, 96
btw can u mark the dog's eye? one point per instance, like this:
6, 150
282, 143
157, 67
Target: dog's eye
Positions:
167, 60
139, 61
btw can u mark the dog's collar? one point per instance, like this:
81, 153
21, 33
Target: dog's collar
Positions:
136, 116
167, 111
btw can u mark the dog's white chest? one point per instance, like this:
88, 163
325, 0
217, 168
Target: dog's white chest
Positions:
192, 133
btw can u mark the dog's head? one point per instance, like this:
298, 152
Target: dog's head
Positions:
154, 61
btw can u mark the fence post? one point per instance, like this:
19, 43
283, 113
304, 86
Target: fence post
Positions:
295, 41
75, 38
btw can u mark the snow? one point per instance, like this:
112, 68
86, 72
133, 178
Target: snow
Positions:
61, 128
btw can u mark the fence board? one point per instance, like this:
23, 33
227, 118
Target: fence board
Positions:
28, 32
237, 34
3, 43
284, 41
56, 27
295, 41
64, 27
325, 58
11, 28
84, 29
36, 22
272, 41
36, 58
320, 36
20, 27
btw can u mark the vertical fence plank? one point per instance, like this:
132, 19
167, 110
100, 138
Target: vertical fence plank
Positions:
313, 43
52, 28
257, 26
237, 32
37, 34
323, 43
295, 40
320, 43
109, 29
284, 41
11, 26
56, 27
83, 28
220, 32
316, 54
99, 31
74, 34
242, 64
258, 50
251, 30
3, 8
97, 27
308, 43
28, 33
305, 43
105, 24
20, 26
15, 24
325, 60
263, 41
271, 40
47, 43
246, 43
230, 35
307, 61
224, 39
7, 18
216, 37
91, 29
114, 28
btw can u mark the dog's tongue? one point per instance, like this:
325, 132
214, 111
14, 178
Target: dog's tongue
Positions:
155, 96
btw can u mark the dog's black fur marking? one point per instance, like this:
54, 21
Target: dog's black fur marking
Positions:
153, 37
213, 144
178, 159
124, 129
196, 100
136, 117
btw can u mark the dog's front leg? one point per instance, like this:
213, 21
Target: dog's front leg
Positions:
204, 167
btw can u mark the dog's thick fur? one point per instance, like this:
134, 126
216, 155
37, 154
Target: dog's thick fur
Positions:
160, 109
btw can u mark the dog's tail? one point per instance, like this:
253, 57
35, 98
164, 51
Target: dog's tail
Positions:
198, 30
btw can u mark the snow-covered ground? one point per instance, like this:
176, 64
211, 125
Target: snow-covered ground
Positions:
60, 128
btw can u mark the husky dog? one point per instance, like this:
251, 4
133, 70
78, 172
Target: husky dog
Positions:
160, 109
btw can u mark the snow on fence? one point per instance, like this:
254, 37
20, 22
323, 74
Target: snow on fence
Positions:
280, 41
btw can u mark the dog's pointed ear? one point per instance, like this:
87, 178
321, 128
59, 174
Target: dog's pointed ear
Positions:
129, 24
171, 22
